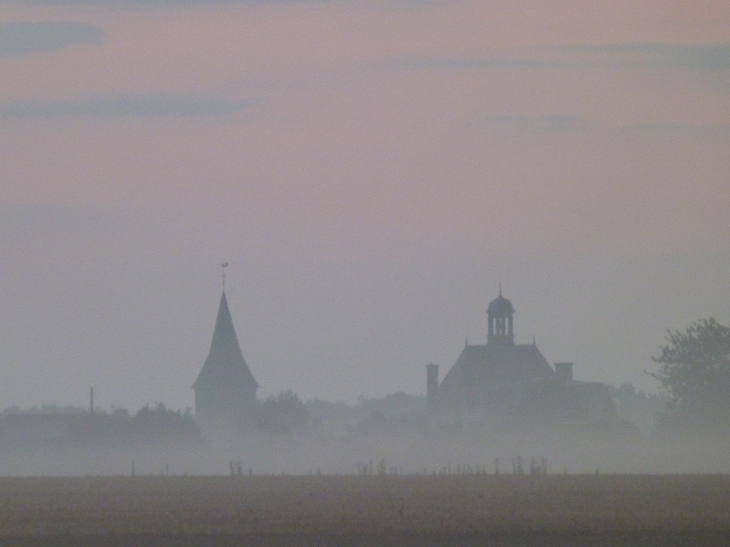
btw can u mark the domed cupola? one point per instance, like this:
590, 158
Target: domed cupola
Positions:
499, 314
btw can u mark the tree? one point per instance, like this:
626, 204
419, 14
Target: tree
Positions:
695, 374
283, 414
161, 424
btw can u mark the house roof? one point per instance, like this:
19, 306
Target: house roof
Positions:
485, 367
225, 365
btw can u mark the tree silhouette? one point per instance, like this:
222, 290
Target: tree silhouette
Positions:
283, 414
695, 374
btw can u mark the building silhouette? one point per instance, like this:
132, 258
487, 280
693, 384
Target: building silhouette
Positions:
225, 391
502, 379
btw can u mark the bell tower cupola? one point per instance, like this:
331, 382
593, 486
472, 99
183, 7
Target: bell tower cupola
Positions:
501, 325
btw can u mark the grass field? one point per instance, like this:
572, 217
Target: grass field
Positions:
366, 510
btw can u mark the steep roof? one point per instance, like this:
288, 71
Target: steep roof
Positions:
485, 367
225, 365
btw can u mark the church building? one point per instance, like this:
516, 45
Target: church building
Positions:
225, 391
502, 379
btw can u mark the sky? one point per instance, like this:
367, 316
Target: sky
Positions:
371, 171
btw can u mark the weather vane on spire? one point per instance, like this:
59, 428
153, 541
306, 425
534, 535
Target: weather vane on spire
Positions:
224, 265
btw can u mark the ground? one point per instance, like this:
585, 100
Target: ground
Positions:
443, 510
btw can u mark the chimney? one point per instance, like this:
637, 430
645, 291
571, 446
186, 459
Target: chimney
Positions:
432, 384
564, 371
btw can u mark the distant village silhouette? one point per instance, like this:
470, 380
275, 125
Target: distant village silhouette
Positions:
496, 381
497, 386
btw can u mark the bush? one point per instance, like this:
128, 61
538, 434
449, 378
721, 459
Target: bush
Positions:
283, 414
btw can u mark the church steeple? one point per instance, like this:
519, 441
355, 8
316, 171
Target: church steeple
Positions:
225, 340
225, 352
225, 388
501, 325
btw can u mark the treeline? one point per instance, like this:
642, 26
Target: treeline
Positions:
50, 426
284, 415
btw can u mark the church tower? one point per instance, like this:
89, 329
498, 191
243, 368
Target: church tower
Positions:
225, 391
501, 325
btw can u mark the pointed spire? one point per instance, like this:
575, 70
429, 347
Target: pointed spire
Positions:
500, 288
224, 332
225, 354
467, 341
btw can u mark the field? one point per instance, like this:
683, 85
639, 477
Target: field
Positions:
582, 510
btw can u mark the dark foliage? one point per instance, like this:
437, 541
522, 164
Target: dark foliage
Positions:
150, 426
694, 373
283, 414
160, 423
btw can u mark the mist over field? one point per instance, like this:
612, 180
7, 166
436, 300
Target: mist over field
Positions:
394, 435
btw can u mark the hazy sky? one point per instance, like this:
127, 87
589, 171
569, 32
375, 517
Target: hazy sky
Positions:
371, 170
